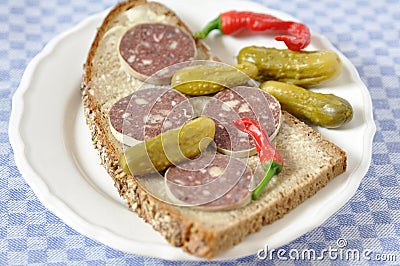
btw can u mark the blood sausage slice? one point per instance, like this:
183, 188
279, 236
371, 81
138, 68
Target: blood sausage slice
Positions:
147, 113
219, 183
147, 48
238, 102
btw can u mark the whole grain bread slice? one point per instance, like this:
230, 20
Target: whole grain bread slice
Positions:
200, 233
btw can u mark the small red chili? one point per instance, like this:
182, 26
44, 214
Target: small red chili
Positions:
297, 34
270, 158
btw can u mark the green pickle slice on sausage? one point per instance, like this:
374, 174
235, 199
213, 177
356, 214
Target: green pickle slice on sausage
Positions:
326, 110
207, 79
168, 148
303, 68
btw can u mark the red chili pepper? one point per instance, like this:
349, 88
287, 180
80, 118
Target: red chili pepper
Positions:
298, 35
270, 158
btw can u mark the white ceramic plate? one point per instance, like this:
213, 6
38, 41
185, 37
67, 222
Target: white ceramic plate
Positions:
54, 152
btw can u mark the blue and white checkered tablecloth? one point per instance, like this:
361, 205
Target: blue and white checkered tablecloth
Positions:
366, 31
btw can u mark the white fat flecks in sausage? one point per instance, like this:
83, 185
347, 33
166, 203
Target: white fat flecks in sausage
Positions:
167, 125
148, 48
220, 185
206, 193
173, 45
146, 62
234, 103
152, 119
127, 123
185, 114
148, 112
131, 59
165, 112
226, 107
158, 37
244, 108
138, 48
222, 115
141, 101
180, 182
215, 171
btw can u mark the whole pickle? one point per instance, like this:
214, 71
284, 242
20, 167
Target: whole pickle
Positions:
303, 68
206, 79
326, 110
170, 147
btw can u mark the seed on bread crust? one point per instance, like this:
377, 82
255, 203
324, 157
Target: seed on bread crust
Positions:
205, 234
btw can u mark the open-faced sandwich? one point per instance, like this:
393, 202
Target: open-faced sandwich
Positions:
206, 152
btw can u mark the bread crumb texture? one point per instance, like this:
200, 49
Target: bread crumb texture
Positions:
309, 160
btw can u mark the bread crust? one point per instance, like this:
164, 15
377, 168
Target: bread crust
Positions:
200, 233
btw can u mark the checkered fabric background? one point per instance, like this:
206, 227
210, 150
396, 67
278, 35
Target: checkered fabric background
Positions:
366, 31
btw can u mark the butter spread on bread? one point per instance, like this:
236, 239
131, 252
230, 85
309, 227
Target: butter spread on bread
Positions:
310, 160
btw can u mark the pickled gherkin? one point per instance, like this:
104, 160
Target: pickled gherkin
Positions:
206, 79
170, 147
303, 68
326, 110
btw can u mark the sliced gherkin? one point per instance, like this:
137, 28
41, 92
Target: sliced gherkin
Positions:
170, 147
303, 68
207, 79
326, 110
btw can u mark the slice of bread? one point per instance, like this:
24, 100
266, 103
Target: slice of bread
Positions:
310, 160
